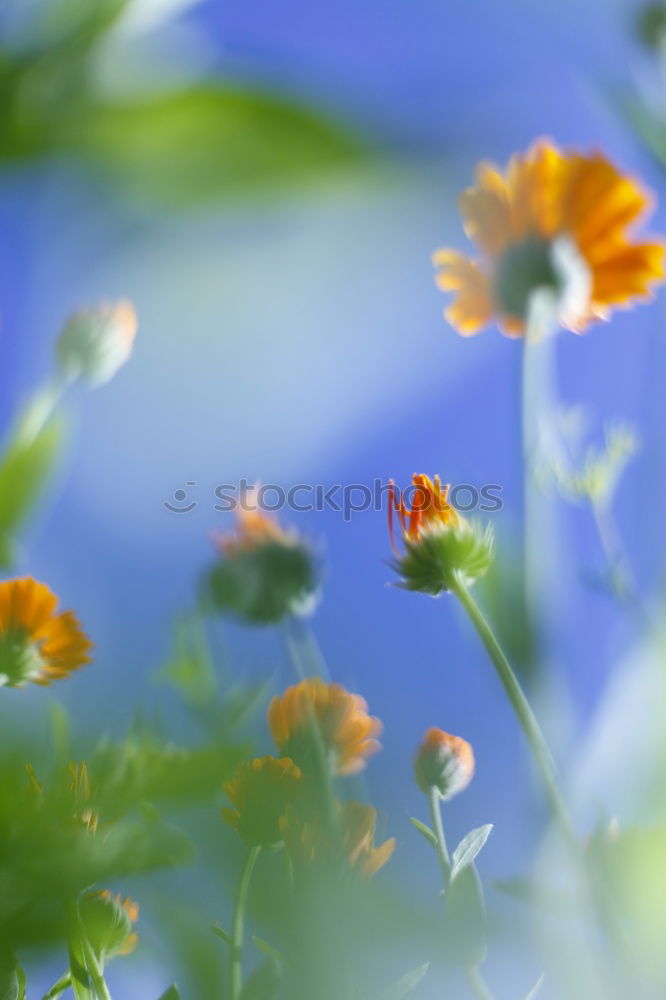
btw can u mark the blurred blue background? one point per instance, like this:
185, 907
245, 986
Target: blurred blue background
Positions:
297, 337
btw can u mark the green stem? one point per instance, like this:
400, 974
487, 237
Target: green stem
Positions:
434, 800
478, 984
94, 969
238, 925
299, 658
522, 708
59, 988
40, 410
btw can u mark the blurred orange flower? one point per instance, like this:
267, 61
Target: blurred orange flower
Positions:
260, 790
254, 527
36, 644
310, 840
348, 733
555, 220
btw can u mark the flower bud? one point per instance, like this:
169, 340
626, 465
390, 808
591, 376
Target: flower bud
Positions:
439, 545
444, 762
432, 562
108, 923
95, 343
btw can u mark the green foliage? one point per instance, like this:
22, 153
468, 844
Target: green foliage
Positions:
464, 930
171, 994
468, 849
182, 146
407, 984
12, 980
212, 141
424, 830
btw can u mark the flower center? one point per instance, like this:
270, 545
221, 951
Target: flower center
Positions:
522, 269
556, 267
20, 659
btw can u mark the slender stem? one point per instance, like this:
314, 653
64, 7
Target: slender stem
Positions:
522, 708
299, 658
40, 409
434, 800
238, 925
59, 988
94, 970
478, 984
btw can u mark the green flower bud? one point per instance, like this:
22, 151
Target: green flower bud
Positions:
95, 343
108, 923
434, 560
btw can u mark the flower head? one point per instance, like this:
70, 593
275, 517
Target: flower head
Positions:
95, 343
310, 840
36, 644
108, 921
438, 543
265, 572
347, 732
443, 762
260, 790
557, 223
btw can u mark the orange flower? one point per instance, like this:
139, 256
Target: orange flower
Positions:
310, 840
553, 220
444, 762
260, 790
348, 733
430, 508
36, 644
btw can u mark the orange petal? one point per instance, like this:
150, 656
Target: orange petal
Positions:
486, 213
628, 274
472, 309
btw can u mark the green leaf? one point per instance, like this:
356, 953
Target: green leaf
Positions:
406, 985
9, 981
211, 141
22, 983
24, 471
269, 951
468, 848
220, 931
263, 984
424, 830
530, 995
171, 994
465, 920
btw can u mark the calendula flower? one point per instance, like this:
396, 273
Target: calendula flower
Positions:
310, 840
439, 545
95, 343
443, 762
265, 573
260, 790
347, 733
36, 644
108, 922
554, 222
